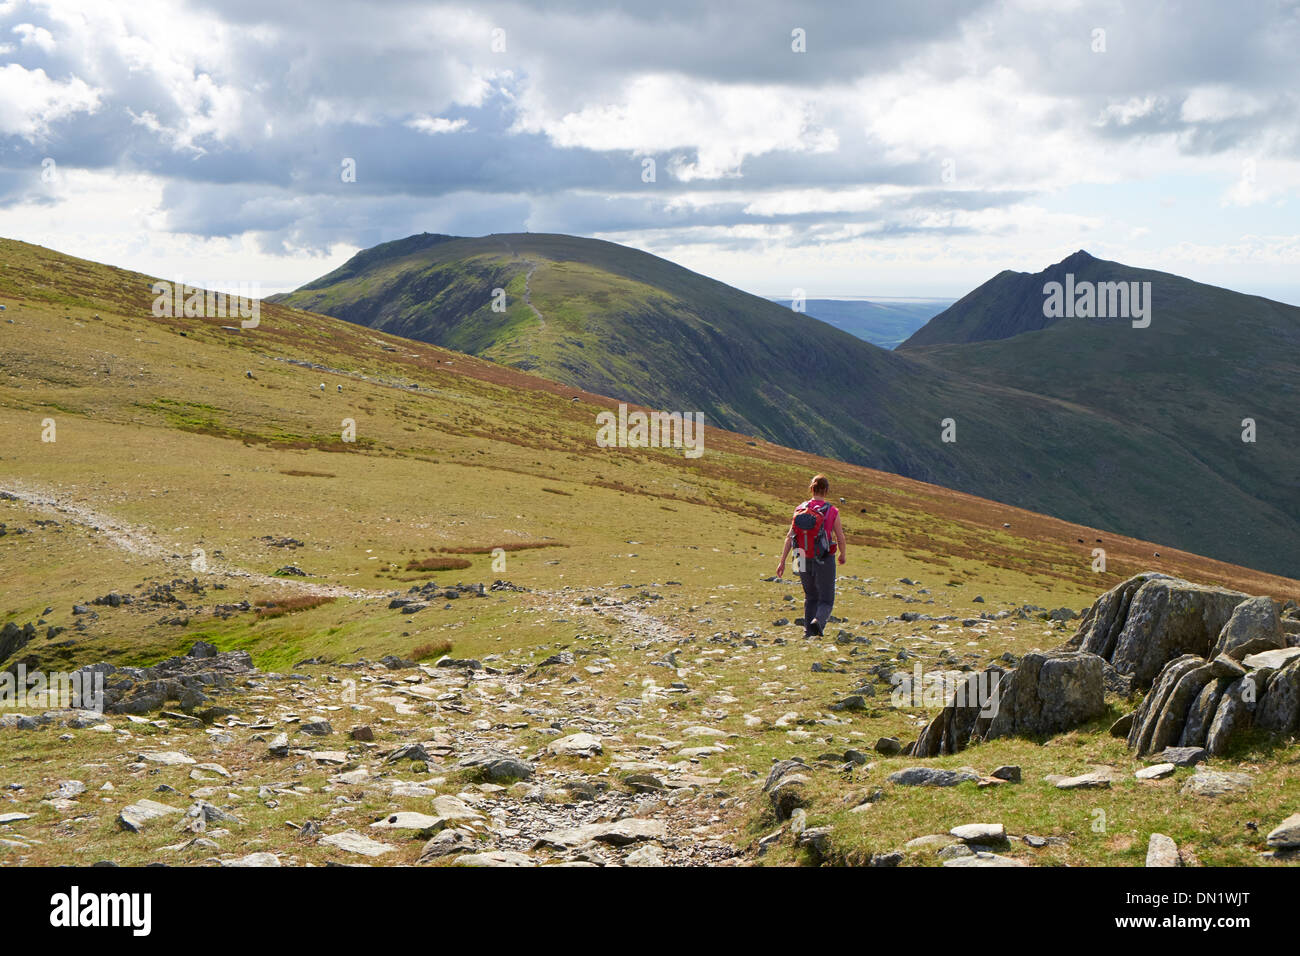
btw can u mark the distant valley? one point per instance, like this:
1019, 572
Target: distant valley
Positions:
883, 321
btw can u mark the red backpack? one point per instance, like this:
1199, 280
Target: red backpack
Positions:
812, 531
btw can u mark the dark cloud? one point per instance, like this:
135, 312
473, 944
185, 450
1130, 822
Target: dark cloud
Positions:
249, 124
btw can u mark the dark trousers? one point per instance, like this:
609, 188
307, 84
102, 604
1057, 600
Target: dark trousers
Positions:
818, 590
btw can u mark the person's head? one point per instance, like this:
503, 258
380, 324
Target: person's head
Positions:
819, 486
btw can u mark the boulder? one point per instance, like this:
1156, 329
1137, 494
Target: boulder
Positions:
1276, 659
1167, 618
1148, 715
14, 638
983, 833
1169, 721
1286, 835
1157, 771
446, 843
1253, 621
1162, 851
1122, 726
422, 823
789, 795
1049, 693
140, 814
786, 786
1196, 703
965, 718
497, 767
454, 810
577, 745
354, 842
616, 833
1102, 622
496, 858
1235, 713
1196, 724
1279, 710
931, 777
1096, 780
1216, 783
1182, 756
984, 859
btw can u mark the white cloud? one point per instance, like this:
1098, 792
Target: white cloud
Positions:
433, 125
1212, 104
30, 101
653, 114
38, 37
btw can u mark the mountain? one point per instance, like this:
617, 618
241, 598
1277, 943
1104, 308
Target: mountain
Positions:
1208, 360
1012, 303
613, 320
886, 322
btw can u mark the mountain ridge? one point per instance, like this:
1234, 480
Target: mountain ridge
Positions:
623, 323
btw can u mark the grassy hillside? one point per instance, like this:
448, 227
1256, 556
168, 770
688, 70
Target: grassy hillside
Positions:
619, 322
159, 425
651, 569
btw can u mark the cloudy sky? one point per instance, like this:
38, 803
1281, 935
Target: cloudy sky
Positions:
911, 148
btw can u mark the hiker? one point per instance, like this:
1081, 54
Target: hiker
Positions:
818, 539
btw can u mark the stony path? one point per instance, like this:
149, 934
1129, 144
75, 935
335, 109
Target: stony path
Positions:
466, 764
528, 293
143, 542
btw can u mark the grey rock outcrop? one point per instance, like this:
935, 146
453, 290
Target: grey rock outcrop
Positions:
1150, 619
966, 718
14, 638
1049, 692
1200, 703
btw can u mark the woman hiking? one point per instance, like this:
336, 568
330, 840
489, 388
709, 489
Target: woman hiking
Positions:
818, 540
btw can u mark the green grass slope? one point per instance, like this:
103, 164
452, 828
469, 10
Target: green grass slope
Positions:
613, 320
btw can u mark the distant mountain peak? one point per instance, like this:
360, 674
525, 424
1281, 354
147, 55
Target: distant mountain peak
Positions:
1011, 303
1077, 258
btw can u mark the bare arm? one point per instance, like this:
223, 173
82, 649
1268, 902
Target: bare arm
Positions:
785, 553
839, 539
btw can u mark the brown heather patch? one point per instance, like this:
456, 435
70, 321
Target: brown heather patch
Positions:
438, 564
425, 652
504, 546
278, 607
